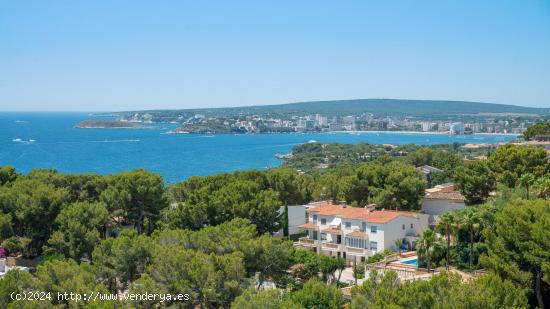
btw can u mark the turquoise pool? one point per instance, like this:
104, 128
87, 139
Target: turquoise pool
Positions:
413, 262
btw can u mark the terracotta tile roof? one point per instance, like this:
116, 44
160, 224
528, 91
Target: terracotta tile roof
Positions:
332, 230
450, 195
446, 187
308, 226
357, 234
359, 213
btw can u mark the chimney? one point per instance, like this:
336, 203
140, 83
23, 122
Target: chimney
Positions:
370, 207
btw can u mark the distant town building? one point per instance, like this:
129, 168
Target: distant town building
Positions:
427, 126
382, 125
335, 126
321, 121
310, 124
518, 130
349, 123
456, 128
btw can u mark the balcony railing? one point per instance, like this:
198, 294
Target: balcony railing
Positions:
331, 245
355, 250
306, 241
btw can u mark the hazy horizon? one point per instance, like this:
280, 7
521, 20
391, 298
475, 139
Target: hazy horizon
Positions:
138, 55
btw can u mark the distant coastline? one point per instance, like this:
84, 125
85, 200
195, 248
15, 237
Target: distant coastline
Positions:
136, 124
422, 132
110, 124
176, 132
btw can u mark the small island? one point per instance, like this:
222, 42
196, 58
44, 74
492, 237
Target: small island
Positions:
110, 124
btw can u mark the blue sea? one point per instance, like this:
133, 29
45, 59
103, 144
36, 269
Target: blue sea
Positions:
49, 140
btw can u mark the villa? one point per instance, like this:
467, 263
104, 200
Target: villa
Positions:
441, 199
356, 233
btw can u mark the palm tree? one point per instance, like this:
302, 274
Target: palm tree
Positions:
526, 181
426, 246
470, 220
543, 187
398, 244
447, 225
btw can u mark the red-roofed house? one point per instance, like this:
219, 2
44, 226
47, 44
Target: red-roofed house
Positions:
441, 199
358, 232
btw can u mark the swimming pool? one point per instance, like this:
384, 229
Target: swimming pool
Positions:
412, 262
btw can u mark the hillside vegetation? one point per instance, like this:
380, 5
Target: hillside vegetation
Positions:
378, 107
211, 237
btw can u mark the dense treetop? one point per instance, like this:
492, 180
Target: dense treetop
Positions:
541, 128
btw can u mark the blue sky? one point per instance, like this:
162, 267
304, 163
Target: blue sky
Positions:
121, 55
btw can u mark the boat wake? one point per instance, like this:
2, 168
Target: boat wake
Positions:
22, 141
117, 141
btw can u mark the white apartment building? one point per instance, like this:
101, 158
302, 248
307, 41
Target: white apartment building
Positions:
356, 233
456, 128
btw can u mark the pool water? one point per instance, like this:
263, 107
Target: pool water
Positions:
413, 262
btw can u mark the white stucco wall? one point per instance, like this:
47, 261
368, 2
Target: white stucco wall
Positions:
394, 229
437, 207
296, 217
356, 225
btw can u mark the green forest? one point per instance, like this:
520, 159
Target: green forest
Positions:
378, 107
538, 129
212, 237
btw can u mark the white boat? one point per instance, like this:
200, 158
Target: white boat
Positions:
22, 141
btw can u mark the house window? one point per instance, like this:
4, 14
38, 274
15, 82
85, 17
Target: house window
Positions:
403, 226
323, 236
323, 221
373, 229
314, 218
363, 227
348, 225
315, 235
411, 225
356, 242
373, 245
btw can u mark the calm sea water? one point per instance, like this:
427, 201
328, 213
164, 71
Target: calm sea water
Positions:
49, 140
